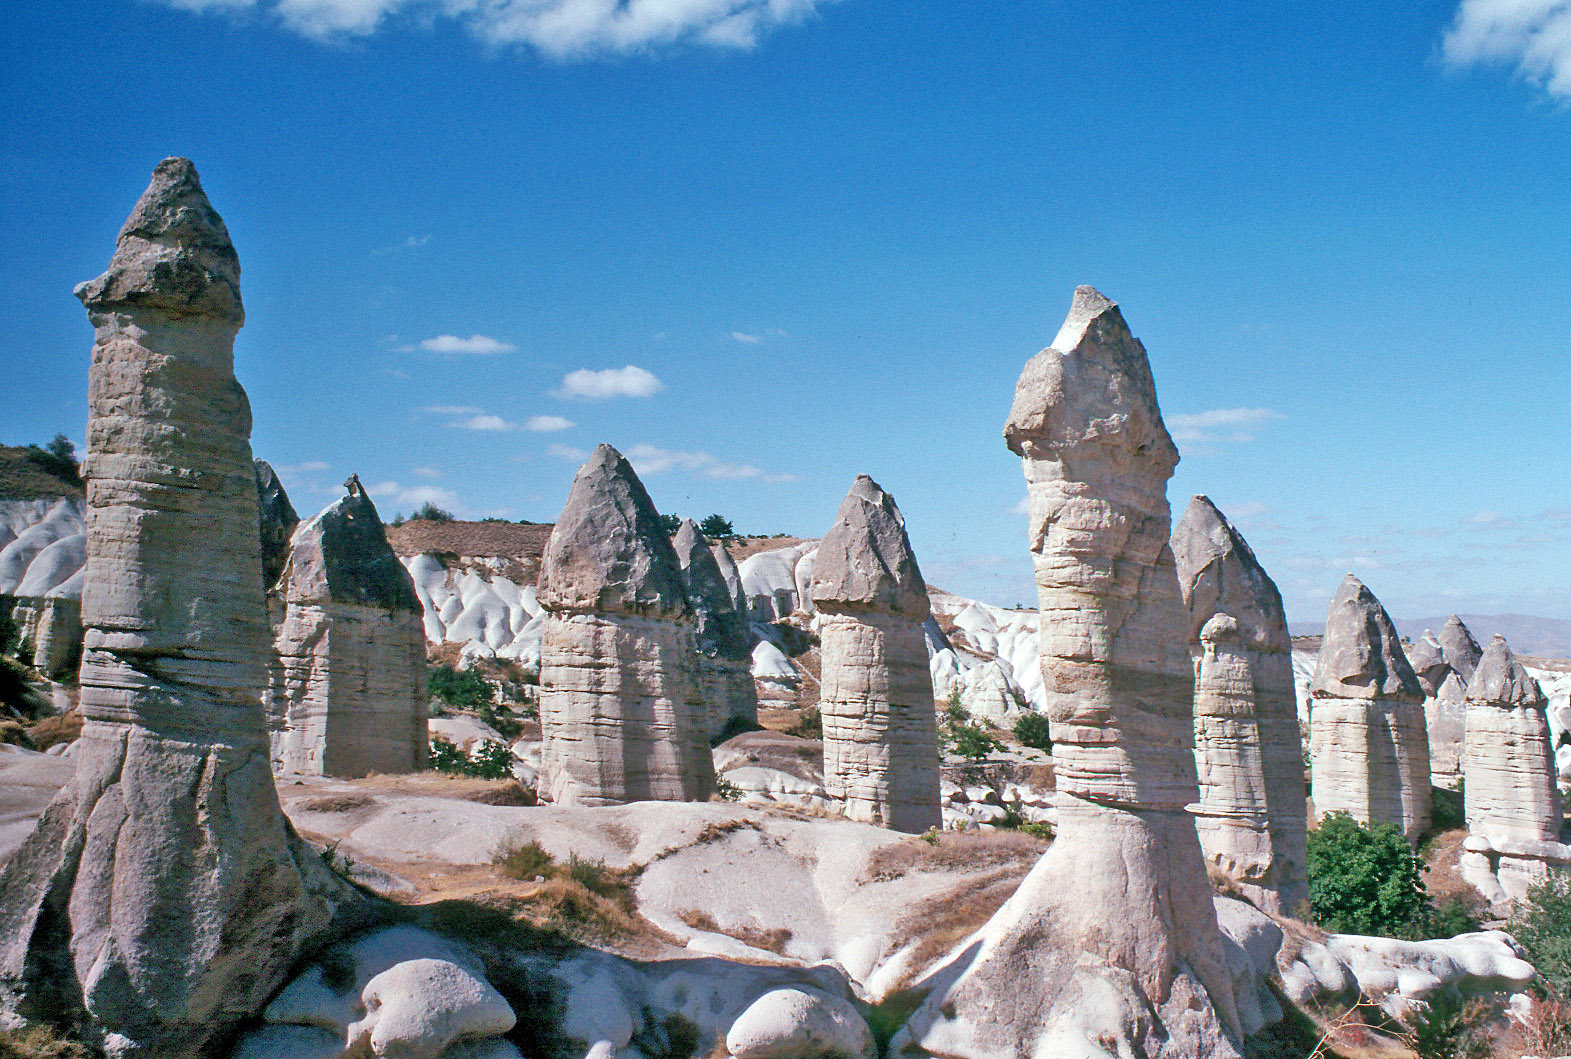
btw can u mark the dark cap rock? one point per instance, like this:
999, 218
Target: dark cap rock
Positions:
343, 556
1219, 574
866, 561
277, 518
173, 254
608, 551
1500, 680
1361, 655
1457, 646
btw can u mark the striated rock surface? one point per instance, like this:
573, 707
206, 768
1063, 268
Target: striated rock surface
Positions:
163, 896
725, 644
1368, 739
1513, 806
876, 694
277, 521
620, 714
1111, 946
347, 695
1445, 687
1248, 752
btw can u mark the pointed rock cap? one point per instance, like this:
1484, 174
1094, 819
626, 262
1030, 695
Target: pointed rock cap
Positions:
1092, 386
1428, 662
278, 520
720, 631
1218, 573
173, 254
342, 556
1361, 655
733, 577
1220, 628
608, 551
1459, 649
1500, 680
865, 561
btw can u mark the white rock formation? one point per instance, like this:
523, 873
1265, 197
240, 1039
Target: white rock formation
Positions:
43, 548
163, 897
800, 1023
347, 695
1110, 947
1368, 743
876, 694
488, 613
1249, 756
1514, 813
724, 641
771, 583
1445, 691
619, 707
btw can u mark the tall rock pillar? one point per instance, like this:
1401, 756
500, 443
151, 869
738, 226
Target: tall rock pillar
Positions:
348, 694
880, 725
163, 896
620, 713
1367, 737
1114, 929
1248, 751
1445, 709
725, 646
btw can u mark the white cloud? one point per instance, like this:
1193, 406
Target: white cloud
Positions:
413, 496
751, 340
650, 460
1532, 35
1024, 506
1218, 424
567, 452
562, 29
545, 424
613, 382
485, 422
451, 410
481, 344
1490, 520
427, 472
305, 468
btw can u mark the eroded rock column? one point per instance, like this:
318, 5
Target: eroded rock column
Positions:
880, 727
163, 896
1248, 751
620, 713
1445, 687
1514, 814
1114, 929
1368, 741
725, 647
348, 694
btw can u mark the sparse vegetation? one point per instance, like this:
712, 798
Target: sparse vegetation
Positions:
523, 860
582, 898
39, 1042
490, 760
463, 688
670, 524
431, 513
1033, 731
1542, 926
727, 791
1366, 880
770, 939
958, 736
1451, 1029
809, 726
57, 458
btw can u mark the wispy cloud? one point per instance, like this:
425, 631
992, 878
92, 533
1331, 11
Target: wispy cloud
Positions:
427, 472
483, 345
451, 410
630, 381
562, 29
400, 496
1490, 520
650, 460
486, 422
1024, 506
567, 453
1532, 35
1218, 424
546, 424
413, 242
308, 467
751, 340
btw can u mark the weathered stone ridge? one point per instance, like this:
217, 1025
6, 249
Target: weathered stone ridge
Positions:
876, 694
1248, 752
1115, 927
620, 713
347, 694
1368, 738
722, 667
163, 896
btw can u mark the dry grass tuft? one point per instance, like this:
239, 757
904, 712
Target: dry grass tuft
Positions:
63, 728
38, 1042
15, 733
768, 939
336, 803
959, 851
502, 792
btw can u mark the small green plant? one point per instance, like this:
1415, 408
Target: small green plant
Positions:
1451, 1029
716, 528
523, 860
431, 513
957, 735
1366, 880
464, 688
1542, 926
501, 719
670, 524
592, 875
1033, 731
492, 761
930, 836
446, 757
341, 864
809, 726
727, 791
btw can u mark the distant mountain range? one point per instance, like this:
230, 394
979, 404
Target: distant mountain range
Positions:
1527, 635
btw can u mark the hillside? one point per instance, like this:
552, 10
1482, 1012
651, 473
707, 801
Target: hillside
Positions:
24, 477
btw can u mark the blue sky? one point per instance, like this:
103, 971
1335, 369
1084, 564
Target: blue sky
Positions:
764, 245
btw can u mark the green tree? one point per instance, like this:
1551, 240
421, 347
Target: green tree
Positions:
716, 528
1367, 880
1033, 731
463, 688
431, 513
670, 524
58, 458
1542, 926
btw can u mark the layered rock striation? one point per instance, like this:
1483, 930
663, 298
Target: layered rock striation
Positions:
1252, 815
163, 896
1368, 741
347, 694
620, 713
876, 696
1111, 945
723, 664
1514, 814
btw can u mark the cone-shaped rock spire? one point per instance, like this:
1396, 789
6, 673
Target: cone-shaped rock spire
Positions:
1446, 687
876, 694
1252, 813
1460, 650
347, 696
725, 680
1428, 662
1368, 738
277, 522
620, 711
164, 897
1120, 907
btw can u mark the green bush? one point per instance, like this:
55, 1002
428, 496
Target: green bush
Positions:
1542, 926
727, 791
431, 513
1032, 731
523, 860
957, 735
1367, 880
716, 528
464, 688
670, 524
491, 761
